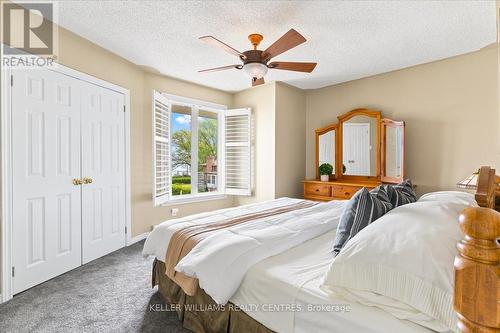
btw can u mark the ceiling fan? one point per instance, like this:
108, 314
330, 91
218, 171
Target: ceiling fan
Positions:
256, 62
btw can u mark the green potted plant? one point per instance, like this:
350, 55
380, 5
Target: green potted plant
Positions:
325, 170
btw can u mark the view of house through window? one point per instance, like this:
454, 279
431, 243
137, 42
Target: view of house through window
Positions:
207, 151
182, 147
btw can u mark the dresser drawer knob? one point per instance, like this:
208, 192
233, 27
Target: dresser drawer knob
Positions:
346, 193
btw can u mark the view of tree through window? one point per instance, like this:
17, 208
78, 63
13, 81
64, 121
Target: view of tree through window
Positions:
181, 151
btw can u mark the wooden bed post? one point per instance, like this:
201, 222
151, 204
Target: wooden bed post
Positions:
477, 267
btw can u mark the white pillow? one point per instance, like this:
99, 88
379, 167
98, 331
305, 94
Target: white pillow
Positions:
407, 255
450, 196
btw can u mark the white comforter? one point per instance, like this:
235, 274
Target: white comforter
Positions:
294, 278
221, 261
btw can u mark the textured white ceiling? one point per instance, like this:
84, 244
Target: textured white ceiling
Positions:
348, 39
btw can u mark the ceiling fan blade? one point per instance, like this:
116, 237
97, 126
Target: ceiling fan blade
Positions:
307, 67
286, 42
216, 69
258, 82
217, 43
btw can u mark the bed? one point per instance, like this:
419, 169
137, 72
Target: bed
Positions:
283, 290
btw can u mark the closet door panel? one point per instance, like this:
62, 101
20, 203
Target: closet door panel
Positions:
46, 160
103, 161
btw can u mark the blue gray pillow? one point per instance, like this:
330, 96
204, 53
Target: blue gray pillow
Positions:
401, 194
363, 208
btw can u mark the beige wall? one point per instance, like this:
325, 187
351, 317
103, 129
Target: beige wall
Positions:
278, 140
450, 108
262, 101
290, 143
82, 55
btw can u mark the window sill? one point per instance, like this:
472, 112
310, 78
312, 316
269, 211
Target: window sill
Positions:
195, 198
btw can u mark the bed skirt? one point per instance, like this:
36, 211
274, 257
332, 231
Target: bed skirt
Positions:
200, 313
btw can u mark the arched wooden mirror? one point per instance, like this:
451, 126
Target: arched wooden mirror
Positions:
326, 147
364, 151
359, 150
393, 151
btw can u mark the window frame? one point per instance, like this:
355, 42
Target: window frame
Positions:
196, 106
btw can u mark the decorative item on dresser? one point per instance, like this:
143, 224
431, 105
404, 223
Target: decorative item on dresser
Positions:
325, 171
364, 149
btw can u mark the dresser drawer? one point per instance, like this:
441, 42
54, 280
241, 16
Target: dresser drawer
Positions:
344, 191
317, 189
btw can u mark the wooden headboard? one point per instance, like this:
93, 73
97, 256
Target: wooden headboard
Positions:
477, 266
487, 188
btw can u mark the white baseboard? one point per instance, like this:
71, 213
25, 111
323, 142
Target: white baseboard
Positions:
138, 238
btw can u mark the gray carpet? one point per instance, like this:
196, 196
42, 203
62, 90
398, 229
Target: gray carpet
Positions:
110, 294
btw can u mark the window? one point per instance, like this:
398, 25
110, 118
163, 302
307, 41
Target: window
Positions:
200, 149
207, 151
181, 150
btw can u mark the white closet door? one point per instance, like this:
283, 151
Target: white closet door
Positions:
103, 161
46, 159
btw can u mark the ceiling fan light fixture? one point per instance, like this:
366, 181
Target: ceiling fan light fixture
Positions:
255, 70
255, 63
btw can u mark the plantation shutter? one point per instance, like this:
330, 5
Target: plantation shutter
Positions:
237, 146
161, 149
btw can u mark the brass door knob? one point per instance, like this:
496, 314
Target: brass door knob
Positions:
87, 180
77, 181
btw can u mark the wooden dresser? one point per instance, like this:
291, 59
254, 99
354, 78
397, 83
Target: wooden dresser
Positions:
340, 189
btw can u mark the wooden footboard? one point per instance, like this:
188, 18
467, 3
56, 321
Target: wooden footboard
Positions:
477, 267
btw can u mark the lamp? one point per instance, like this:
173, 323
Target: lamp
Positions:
469, 183
255, 70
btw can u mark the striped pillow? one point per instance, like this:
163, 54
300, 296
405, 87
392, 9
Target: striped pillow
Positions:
401, 193
363, 208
